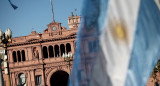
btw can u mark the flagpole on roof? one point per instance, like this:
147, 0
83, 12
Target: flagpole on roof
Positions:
52, 10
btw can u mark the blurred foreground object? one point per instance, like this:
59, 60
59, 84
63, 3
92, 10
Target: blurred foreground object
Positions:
118, 43
2, 52
5, 38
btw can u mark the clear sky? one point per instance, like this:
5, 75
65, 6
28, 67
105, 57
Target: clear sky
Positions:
35, 14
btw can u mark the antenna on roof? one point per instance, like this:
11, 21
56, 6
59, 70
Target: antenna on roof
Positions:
76, 11
52, 9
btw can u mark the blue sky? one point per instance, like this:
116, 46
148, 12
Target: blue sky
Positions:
35, 14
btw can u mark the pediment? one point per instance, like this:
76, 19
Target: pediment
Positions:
54, 27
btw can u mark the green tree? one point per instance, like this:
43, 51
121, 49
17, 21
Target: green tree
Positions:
156, 70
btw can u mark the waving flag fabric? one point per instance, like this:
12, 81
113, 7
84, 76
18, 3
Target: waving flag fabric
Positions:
14, 6
146, 47
118, 43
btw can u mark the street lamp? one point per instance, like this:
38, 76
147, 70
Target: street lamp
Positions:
5, 38
68, 58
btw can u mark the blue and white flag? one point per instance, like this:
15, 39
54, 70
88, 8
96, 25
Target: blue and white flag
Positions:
118, 43
14, 6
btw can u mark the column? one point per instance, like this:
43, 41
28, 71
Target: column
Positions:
32, 78
17, 56
11, 79
30, 53
59, 50
65, 47
72, 47
21, 55
43, 77
26, 54
29, 79
40, 52
54, 51
10, 57
48, 51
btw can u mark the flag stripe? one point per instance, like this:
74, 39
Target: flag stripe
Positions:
117, 41
93, 17
117, 52
146, 44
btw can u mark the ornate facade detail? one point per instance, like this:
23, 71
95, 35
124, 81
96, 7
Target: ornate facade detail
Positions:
35, 53
39, 55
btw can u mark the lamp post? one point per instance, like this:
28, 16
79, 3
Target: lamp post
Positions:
5, 38
1, 75
68, 58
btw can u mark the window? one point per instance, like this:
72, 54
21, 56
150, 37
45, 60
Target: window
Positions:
62, 47
56, 49
23, 56
19, 56
51, 51
21, 80
38, 80
14, 56
68, 47
45, 52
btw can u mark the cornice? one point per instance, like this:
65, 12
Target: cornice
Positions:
41, 41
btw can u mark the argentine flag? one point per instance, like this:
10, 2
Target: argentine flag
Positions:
118, 43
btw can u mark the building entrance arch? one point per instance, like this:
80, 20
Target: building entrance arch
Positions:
59, 78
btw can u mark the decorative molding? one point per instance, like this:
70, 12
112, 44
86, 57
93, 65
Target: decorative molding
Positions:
56, 64
41, 41
32, 40
59, 68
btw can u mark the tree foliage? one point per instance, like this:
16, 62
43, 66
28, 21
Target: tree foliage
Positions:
156, 70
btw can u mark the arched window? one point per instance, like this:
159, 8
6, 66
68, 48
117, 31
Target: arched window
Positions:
51, 51
45, 52
56, 49
68, 47
19, 56
21, 79
23, 56
14, 56
62, 47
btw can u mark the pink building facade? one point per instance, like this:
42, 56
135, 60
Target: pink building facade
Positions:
36, 59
